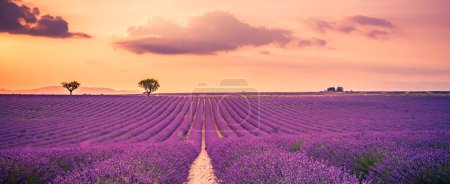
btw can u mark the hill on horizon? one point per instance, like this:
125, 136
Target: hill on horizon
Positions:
57, 90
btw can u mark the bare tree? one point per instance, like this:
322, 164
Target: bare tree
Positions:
150, 85
71, 85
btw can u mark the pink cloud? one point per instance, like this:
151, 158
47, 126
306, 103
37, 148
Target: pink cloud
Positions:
364, 20
208, 33
312, 42
375, 28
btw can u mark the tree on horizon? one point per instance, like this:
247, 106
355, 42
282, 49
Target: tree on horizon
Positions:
331, 89
71, 86
150, 85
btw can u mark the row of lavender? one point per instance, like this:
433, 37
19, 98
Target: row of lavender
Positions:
58, 120
140, 122
120, 119
370, 157
251, 116
166, 162
45, 121
131, 163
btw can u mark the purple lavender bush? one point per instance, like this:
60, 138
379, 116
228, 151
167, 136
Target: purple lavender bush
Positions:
254, 161
140, 163
267, 139
368, 157
43, 165
380, 157
413, 166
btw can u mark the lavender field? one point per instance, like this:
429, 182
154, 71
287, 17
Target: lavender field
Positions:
271, 138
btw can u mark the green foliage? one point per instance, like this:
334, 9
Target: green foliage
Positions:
364, 163
433, 175
71, 85
337, 89
296, 146
65, 166
33, 178
20, 174
150, 85
331, 89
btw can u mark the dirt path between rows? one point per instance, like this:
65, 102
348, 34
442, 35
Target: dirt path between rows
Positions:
201, 171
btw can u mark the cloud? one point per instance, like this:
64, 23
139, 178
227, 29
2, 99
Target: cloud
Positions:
364, 20
265, 52
20, 19
312, 42
208, 33
375, 28
319, 25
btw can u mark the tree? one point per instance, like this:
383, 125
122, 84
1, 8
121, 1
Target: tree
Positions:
340, 89
150, 85
70, 86
331, 89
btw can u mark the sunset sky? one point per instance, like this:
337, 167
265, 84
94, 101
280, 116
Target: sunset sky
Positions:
290, 45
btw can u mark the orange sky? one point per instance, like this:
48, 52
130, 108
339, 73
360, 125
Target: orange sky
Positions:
290, 45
